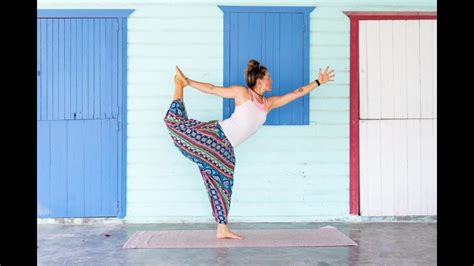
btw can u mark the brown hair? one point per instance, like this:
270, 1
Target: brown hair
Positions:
253, 72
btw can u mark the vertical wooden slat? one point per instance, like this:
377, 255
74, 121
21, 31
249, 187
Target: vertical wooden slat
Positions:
61, 74
386, 167
58, 183
103, 70
363, 74
69, 68
75, 168
286, 66
399, 65
400, 166
44, 74
414, 171
293, 61
265, 57
386, 69
306, 67
49, 69
122, 118
114, 67
79, 72
38, 70
44, 172
297, 106
373, 70
109, 67
413, 68
114, 159
55, 72
105, 165
92, 167
426, 69
85, 68
268, 56
364, 182
278, 62
374, 170
97, 68
255, 34
426, 167
74, 68
108, 167
91, 68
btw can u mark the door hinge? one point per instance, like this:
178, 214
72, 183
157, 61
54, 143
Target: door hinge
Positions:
39, 73
118, 125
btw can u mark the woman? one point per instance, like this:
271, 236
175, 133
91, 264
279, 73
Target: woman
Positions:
211, 144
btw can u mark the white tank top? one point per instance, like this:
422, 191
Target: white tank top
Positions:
246, 119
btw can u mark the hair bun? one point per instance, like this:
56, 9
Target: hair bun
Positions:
254, 71
253, 64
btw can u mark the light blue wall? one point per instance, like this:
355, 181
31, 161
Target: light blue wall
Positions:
284, 173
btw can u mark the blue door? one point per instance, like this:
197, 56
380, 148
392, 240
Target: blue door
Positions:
78, 117
277, 37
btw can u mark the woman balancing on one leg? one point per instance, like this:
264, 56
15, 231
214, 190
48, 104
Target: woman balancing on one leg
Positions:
211, 144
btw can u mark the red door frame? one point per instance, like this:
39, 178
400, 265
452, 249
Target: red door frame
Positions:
355, 17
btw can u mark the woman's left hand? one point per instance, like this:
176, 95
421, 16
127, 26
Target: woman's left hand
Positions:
324, 77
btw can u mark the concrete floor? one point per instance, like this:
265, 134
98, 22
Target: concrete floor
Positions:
379, 243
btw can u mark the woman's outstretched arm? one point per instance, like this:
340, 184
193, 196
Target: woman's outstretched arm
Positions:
225, 92
202, 86
279, 101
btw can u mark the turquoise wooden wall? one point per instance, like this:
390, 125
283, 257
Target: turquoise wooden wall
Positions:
289, 173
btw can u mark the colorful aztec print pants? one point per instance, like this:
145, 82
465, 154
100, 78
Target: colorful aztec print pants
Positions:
205, 144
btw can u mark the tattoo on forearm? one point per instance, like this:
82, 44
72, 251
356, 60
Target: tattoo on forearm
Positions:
300, 89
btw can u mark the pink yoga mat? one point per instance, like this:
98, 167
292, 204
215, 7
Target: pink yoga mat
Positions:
321, 237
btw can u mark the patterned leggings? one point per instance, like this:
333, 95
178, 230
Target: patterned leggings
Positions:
205, 144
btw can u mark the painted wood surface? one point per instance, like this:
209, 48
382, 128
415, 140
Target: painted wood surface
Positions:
78, 108
278, 39
397, 118
162, 34
397, 69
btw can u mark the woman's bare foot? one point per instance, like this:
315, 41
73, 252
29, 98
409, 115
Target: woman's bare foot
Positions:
178, 83
180, 77
224, 232
178, 89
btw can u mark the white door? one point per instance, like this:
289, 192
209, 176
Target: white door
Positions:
398, 119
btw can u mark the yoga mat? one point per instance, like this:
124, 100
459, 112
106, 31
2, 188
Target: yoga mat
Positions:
327, 236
